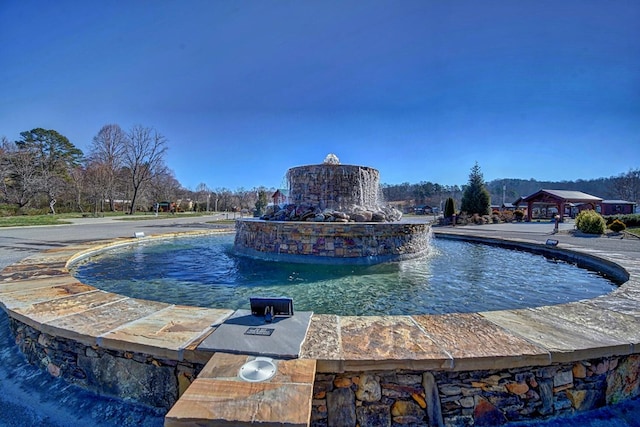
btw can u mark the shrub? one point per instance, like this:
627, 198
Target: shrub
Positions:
33, 211
462, 219
632, 220
629, 220
8, 210
506, 216
518, 215
449, 207
590, 222
617, 226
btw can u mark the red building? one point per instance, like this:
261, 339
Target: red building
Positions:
279, 197
617, 207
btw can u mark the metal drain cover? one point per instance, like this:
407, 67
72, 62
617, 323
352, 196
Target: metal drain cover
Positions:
257, 370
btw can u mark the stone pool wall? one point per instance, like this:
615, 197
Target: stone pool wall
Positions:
334, 242
439, 398
127, 375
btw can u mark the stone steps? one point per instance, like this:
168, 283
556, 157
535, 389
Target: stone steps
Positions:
219, 397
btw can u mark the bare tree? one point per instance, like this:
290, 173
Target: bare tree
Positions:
18, 173
164, 187
202, 193
144, 158
627, 186
107, 150
77, 177
225, 200
93, 184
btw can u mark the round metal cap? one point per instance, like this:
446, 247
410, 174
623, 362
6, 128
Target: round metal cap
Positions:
257, 370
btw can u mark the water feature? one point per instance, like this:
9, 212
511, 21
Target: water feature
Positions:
345, 226
453, 277
334, 215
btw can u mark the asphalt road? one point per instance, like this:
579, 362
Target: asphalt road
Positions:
17, 243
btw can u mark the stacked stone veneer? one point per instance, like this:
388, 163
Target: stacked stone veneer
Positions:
394, 398
333, 186
331, 242
143, 378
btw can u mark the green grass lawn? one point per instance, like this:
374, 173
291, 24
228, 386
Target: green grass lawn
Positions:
161, 215
634, 230
27, 220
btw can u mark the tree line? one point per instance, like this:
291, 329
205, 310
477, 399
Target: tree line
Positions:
625, 186
123, 171
126, 171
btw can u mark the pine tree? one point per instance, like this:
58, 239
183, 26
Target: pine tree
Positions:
476, 198
449, 207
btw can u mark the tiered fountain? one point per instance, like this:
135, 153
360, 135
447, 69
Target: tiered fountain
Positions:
334, 216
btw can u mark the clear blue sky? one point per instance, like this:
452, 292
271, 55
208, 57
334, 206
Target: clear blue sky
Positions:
420, 90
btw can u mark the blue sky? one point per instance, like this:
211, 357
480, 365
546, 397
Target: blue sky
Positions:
420, 90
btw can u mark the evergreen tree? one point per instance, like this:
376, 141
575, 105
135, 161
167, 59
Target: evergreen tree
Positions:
54, 157
449, 207
261, 203
476, 198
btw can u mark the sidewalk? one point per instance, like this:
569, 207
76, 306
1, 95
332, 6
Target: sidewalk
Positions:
540, 232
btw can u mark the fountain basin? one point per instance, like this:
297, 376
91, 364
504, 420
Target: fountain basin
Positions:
330, 242
546, 343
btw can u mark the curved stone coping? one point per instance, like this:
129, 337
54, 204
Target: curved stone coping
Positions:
40, 292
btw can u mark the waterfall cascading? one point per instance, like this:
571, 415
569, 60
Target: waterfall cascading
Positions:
333, 215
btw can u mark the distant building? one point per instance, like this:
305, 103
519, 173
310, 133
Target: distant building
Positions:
423, 210
563, 202
280, 197
617, 207
166, 207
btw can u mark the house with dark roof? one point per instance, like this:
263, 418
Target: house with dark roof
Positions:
280, 197
617, 207
503, 207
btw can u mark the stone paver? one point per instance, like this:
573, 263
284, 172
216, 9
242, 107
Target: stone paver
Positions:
219, 397
380, 342
170, 331
475, 343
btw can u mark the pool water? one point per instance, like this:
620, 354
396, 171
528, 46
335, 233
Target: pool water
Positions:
452, 277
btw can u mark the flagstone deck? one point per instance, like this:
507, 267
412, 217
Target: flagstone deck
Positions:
39, 292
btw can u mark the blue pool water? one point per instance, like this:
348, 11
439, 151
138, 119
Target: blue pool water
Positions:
453, 277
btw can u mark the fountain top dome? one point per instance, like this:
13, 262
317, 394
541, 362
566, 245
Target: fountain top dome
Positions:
331, 159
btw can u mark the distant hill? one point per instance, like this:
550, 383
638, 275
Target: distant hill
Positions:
408, 196
514, 188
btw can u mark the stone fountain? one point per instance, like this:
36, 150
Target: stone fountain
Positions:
333, 216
